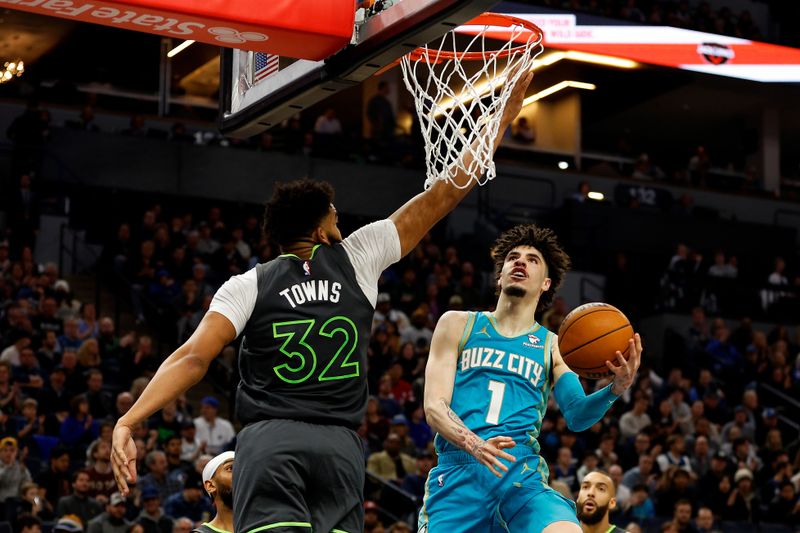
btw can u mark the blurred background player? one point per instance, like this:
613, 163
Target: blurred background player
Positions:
218, 482
596, 499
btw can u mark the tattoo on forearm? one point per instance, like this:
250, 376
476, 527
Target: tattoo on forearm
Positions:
469, 441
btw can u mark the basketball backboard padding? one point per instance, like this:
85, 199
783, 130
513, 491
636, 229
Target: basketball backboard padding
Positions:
378, 43
312, 29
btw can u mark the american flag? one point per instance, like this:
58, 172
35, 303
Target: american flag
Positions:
266, 64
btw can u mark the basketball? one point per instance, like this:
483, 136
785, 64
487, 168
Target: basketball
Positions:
590, 335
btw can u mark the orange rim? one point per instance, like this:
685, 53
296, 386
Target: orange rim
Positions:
487, 19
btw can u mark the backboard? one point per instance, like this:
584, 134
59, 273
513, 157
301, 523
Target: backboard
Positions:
259, 91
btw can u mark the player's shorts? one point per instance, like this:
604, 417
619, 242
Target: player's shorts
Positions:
297, 477
462, 495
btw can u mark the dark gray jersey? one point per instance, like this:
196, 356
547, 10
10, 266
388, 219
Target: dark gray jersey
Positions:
304, 352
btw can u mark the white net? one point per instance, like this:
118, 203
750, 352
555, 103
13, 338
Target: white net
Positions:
461, 84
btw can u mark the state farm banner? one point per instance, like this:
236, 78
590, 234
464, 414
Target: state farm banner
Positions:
668, 46
311, 29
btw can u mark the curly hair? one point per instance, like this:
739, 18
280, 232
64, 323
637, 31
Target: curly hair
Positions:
544, 240
296, 209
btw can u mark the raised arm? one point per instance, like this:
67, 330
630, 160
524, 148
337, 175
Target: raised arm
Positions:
440, 376
414, 219
186, 366
580, 411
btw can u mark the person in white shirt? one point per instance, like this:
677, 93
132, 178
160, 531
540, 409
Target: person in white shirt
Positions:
214, 431
632, 422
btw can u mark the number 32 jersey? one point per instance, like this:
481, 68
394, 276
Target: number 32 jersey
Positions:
501, 383
303, 354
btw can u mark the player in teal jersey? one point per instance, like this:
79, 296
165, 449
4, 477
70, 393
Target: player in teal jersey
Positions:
487, 383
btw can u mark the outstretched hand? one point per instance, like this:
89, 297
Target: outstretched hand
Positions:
514, 104
489, 453
625, 373
123, 458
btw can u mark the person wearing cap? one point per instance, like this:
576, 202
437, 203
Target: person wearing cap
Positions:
12, 472
213, 430
740, 420
372, 522
743, 504
113, 519
399, 425
190, 502
385, 313
69, 523
153, 518
414, 483
218, 483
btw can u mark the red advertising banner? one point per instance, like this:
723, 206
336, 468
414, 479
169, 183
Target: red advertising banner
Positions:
667, 46
311, 29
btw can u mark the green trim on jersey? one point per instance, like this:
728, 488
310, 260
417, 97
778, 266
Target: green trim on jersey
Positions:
313, 251
218, 530
281, 524
338, 531
467, 331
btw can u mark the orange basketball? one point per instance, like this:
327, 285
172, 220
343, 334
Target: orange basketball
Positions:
591, 335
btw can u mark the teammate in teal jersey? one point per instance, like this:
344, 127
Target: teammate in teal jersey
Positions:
487, 383
596, 499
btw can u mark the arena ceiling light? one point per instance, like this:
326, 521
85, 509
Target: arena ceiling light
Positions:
180, 48
11, 70
560, 86
584, 57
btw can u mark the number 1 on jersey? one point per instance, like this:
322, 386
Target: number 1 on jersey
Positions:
498, 390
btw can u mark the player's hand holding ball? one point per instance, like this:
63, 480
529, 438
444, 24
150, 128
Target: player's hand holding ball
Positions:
596, 340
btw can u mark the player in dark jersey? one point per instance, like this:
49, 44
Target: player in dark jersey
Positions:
305, 318
596, 499
218, 481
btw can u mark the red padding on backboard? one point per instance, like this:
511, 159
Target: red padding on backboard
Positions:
304, 29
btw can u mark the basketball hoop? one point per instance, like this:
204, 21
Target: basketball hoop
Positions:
459, 121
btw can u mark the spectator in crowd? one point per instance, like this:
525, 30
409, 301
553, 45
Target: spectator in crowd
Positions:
113, 519
524, 132
157, 468
704, 521
372, 523
743, 503
212, 430
674, 456
190, 502
391, 464
152, 518
79, 503
634, 421
682, 517
28, 523
13, 472
55, 481
381, 114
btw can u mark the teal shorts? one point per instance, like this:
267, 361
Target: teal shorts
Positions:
462, 495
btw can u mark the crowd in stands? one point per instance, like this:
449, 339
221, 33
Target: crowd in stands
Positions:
693, 439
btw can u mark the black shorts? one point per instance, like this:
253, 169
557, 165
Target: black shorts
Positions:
297, 477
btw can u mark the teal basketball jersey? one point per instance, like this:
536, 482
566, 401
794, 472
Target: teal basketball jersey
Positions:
501, 383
